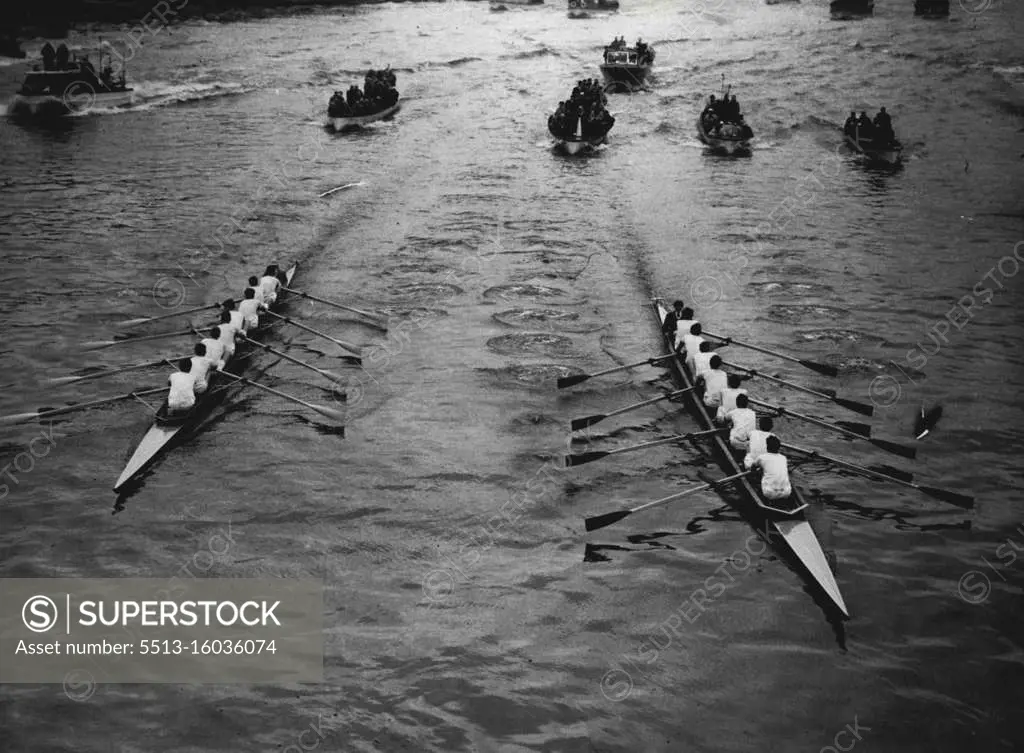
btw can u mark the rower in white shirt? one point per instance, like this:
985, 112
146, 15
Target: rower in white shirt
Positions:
181, 398
742, 421
214, 349
250, 309
228, 333
713, 381
235, 316
759, 441
691, 344
729, 394
200, 369
254, 283
774, 470
702, 359
683, 325
270, 285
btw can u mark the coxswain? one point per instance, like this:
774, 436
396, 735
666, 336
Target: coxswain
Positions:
759, 441
668, 327
214, 349
181, 398
883, 124
228, 333
713, 382
269, 285
250, 308
702, 359
730, 392
774, 470
742, 421
199, 369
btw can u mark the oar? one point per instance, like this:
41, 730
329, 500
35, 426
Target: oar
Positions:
288, 320
590, 457
862, 408
582, 423
146, 320
20, 418
821, 368
953, 498
896, 449
570, 381
322, 372
378, 320
98, 344
600, 521
323, 410
111, 372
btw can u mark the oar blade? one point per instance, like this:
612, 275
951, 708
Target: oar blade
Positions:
133, 322
582, 458
583, 423
895, 449
953, 498
861, 430
570, 381
97, 344
62, 380
861, 408
602, 521
821, 368
18, 418
331, 413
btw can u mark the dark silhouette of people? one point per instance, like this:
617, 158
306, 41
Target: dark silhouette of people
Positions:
883, 126
62, 57
865, 128
378, 93
584, 111
850, 126
49, 55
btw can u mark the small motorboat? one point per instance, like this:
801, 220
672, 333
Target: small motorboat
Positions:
378, 100
586, 8
581, 122
728, 134
848, 10
625, 68
931, 8
69, 86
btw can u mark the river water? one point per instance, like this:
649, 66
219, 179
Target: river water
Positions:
465, 606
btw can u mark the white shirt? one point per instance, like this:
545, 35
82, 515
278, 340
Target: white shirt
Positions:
181, 397
729, 395
269, 286
743, 421
692, 344
250, 311
775, 478
702, 363
227, 339
758, 447
200, 370
259, 293
682, 330
214, 352
237, 321
715, 380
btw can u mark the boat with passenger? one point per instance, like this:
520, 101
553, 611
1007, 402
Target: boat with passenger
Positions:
586, 8
625, 68
582, 122
849, 10
875, 139
931, 8
377, 100
722, 127
68, 85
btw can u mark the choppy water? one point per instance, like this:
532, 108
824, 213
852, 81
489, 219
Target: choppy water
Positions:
502, 266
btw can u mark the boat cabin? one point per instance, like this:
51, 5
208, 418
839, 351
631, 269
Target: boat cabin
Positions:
621, 57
